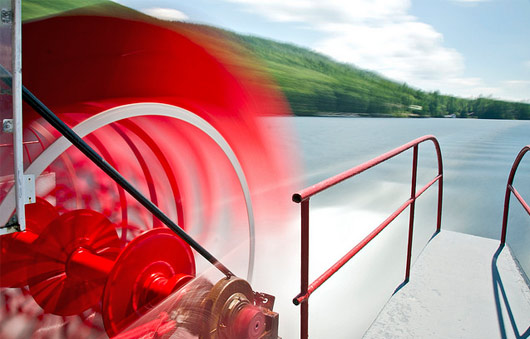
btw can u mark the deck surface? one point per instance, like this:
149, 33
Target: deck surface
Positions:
461, 286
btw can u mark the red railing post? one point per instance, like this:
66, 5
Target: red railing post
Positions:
509, 190
412, 208
304, 270
440, 187
505, 214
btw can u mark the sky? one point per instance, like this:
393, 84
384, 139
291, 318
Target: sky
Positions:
467, 48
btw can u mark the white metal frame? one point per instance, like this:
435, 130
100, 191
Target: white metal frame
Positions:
17, 111
24, 185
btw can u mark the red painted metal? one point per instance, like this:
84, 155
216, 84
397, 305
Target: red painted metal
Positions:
159, 154
73, 258
59, 284
304, 272
249, 323
412, 209
15, 254
151, 266
511, 189
305, 195
76, 266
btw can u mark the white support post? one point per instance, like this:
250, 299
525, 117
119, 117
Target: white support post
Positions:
21, 182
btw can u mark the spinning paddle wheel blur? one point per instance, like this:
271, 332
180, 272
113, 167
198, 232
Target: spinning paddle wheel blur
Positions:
177, 113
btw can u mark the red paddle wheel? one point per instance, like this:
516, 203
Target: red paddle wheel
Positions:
178, 112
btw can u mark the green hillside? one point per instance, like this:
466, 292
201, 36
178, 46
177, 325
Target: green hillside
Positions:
33, 9
317, 85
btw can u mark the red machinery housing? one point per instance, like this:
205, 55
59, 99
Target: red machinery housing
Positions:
176, 109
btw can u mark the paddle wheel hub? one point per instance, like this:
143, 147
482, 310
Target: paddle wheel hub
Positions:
149, 269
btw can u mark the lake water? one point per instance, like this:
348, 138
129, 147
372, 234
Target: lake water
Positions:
477, 158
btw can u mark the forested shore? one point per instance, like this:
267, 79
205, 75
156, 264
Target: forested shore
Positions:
317, 85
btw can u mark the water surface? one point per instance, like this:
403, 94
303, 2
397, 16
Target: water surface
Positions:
477, 157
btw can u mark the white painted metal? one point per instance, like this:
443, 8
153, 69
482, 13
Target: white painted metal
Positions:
20, 180
12, 120
28, 196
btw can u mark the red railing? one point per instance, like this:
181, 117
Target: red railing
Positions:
511, 189
304, 196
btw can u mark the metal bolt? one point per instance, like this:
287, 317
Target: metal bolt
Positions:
7, 125
6, 16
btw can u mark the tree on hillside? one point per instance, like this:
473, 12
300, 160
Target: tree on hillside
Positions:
522, 111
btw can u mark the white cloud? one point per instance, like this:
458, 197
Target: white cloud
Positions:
466, 82
379, 35
382, 36
515, 90
323, 12
405, 51
166, 14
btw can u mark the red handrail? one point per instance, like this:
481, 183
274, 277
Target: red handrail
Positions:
511, 189
304, 196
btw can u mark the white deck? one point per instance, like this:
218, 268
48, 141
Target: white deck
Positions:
460, 287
